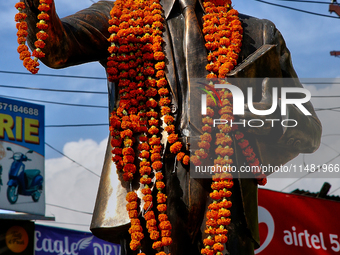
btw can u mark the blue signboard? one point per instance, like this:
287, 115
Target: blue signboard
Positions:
22, 156
58, 241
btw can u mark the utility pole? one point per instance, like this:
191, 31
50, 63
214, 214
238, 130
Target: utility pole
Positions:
335, 7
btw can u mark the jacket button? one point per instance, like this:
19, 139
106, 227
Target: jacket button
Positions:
173, 108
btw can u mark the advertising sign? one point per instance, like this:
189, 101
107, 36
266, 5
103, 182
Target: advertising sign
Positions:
17, 237
22, 154
58, 241
295, 224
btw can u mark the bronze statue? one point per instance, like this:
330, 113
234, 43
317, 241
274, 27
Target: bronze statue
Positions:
82, 38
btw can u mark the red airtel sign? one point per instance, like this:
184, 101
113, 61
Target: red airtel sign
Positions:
295, 224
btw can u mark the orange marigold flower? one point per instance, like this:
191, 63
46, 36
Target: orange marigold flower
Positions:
153, 130
172, 138
206, 137
218, 247
129, 168
166, 241
180, 156
135, 222
210, 231
161, 207
186, 160
160, 185
170, 129
168, 119
128, 159
147, 198
161, 198
133, 214
154, 235
163, 92
176, 147
165, 225
155, 157
154, 141
166, 233
151, 223
145, 170
215, 195
127, 176
164, 101
42, 35
131, 206
131, 196
148, 205
134, 245
146, 191
144, 180
144, 154
221, 231
195, 160
214, 206
223, 222
212, 214
138, 236
207, 251
243, 144
128, 151
157, 165
208, 242
211, 223
157, 245
149, 215
159, 176
20, 5
20, 16
165, 110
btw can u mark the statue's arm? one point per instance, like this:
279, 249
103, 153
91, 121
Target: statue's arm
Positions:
305, 137
75, 39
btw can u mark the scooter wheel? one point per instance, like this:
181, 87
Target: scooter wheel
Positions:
12, 194
36, 196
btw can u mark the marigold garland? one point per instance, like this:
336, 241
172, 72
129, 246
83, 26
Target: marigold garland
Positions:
136, 64
25, 55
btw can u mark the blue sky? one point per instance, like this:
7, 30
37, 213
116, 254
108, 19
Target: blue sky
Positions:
310, 39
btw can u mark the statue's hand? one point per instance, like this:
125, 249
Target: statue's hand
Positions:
261, 124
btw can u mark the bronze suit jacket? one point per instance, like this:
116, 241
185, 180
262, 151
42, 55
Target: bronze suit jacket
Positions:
82, 37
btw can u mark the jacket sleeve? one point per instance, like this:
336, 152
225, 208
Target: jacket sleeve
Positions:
75, 39
305, 137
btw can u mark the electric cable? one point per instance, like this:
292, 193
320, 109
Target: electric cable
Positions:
306, 1
54, 90
51, 102
299, 10
77, 125
73, 210
72, 160
55, 75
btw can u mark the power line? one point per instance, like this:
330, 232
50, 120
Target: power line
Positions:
77, 125
299, 10
72, 160
54, 90
51, 102
318, 168
73, 210
305, 1
55, 75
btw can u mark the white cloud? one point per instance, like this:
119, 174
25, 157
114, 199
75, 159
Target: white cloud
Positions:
70, 185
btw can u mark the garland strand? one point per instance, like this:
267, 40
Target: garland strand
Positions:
25, 55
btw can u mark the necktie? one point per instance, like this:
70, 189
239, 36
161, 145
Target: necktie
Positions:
196, 60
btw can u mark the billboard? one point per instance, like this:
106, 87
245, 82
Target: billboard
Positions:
17, 237
296, 224
58, 241
22, 156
